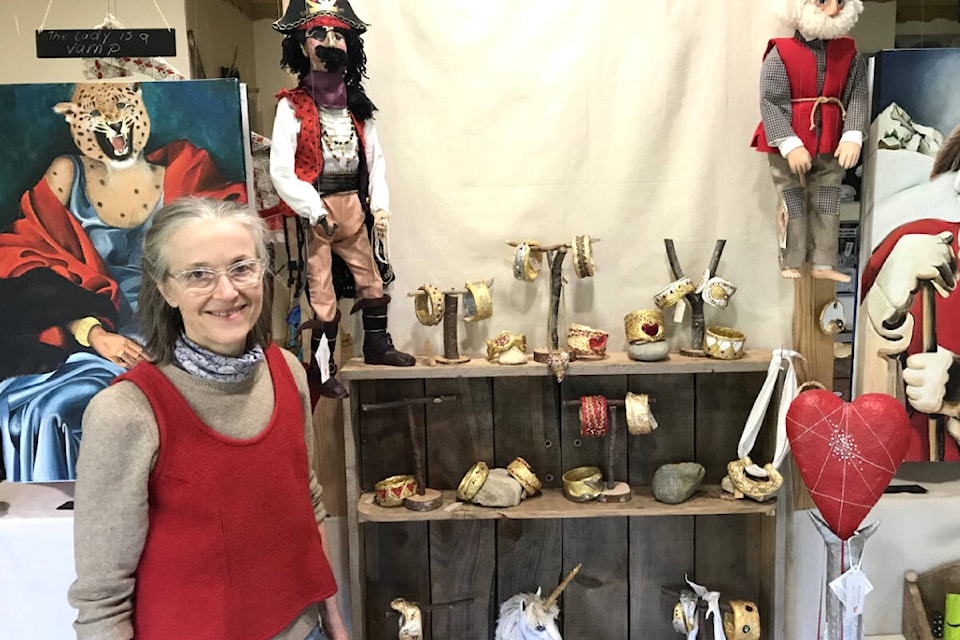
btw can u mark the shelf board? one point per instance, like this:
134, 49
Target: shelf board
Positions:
708, 500
616, 363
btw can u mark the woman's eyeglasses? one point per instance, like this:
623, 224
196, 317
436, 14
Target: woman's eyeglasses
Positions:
242, 275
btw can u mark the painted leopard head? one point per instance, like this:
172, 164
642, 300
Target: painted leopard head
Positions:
108, 121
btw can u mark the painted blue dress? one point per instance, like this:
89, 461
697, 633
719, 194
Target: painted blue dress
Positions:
40, 414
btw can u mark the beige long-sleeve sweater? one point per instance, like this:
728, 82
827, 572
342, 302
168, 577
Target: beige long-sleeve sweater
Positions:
118, 452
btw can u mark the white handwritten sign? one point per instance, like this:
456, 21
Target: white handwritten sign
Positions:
106, 43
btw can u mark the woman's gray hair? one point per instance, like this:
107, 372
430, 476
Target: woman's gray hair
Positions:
160, 323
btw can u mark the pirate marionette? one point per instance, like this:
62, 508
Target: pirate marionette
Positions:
813, 105
328, 168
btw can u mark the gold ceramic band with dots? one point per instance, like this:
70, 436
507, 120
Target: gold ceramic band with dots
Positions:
644, 325
429, 305
674, 292
582, 484
477, 302
522, 473
390, 492
472, 481
583, 265
526, 261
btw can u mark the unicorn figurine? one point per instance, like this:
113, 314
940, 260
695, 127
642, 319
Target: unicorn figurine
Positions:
527, 616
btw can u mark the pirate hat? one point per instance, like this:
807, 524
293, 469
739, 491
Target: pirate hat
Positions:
299, 13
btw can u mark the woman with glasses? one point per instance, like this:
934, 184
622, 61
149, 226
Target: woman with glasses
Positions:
197, 513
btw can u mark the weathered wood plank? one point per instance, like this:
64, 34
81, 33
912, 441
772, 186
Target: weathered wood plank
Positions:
661, 554
596, 604
672, 404
384, 436
397, 566
727, 557
723, 402
462, 565
526, 424
708, 500
460, 432
529, 556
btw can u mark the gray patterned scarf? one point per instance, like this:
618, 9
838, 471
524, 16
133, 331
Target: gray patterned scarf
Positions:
206, 364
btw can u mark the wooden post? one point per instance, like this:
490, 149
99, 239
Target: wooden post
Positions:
810, 295
450, 349
556, 288
418, 471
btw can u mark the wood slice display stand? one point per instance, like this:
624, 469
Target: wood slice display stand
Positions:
615, 492
629, 550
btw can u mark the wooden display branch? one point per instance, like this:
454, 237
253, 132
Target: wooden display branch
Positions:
439, 606
556, 253
425, 499
697, 328
615, 491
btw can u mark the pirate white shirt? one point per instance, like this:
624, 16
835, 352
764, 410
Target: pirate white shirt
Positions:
300, 195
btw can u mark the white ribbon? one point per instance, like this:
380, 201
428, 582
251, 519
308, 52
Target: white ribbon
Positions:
754, 421
712, 598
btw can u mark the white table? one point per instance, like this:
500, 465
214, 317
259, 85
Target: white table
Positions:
36, 562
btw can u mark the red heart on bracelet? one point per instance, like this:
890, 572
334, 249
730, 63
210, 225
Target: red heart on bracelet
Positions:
650, 329
847, 453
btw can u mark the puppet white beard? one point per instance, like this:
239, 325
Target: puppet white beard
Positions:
814, 23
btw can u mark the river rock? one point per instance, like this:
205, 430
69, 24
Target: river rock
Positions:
500, 490
648, 351
674, 483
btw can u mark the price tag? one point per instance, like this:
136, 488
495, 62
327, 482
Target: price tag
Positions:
851, 590
678, 312
323, 358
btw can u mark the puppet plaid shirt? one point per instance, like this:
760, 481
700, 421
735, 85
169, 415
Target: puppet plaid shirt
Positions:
775, 107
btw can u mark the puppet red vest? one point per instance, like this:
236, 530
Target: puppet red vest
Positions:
308, 160
801, 66
233, 549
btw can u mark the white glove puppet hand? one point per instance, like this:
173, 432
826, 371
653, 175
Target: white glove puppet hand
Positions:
926, 376
916, 258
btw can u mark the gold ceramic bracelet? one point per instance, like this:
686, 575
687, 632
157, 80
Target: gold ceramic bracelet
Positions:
81, 329
429, 305
522, 473
472, 481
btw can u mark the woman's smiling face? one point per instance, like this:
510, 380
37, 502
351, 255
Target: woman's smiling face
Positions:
219, 319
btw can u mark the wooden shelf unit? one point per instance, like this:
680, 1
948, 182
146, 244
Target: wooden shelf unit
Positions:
628, 551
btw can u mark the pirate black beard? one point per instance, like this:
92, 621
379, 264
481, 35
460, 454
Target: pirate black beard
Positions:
333, 59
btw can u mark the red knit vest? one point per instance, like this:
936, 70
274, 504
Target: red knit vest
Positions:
801, 66
308, 159
232, 550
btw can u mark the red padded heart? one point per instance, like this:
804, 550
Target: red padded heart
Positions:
650, 329
847, 452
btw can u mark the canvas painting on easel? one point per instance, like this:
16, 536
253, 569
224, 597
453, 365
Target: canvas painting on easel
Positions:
84, 168
908, 327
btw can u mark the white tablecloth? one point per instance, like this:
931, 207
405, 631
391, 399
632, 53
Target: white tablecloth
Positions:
36, 562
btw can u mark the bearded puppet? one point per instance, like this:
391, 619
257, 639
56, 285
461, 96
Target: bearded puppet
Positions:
328, 168
813, 105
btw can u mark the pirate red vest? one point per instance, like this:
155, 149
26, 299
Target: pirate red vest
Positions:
232, 549
801, 66
308, 159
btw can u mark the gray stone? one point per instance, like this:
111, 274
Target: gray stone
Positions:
648, 351
500, 490
674, 483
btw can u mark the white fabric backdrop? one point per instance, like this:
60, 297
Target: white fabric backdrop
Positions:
542, 119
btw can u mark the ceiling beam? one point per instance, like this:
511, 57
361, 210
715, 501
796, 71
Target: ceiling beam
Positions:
257, 10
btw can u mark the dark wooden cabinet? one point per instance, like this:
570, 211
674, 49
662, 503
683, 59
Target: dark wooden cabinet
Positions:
628, 551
